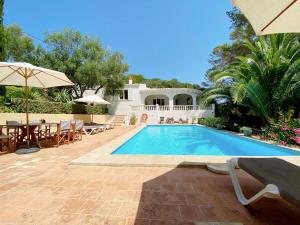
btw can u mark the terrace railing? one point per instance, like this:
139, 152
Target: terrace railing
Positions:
169, 108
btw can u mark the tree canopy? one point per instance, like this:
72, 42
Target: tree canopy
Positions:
158, 83
259, 75
82, 58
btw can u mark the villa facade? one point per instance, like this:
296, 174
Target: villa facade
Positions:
177, 103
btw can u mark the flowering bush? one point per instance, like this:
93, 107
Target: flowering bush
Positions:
285, 130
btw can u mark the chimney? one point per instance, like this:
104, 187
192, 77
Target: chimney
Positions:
130, 80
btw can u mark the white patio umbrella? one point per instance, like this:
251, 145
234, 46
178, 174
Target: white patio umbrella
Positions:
92, 99
271, 16
27, 75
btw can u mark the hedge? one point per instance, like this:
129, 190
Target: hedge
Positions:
36, 106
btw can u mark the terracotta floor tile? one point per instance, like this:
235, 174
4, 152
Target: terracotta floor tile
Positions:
209, 214
130, 210
108, 209
134, 221
176, 198
22, 201
191, 213
92, 220
107, 194
203, 198
72, 206
91, 194
161, 212
91, 207
38, 203
168, 187
228, 214
162, 222
185, 188
124, 196
115, 221
69, 192
12, 215
71, 219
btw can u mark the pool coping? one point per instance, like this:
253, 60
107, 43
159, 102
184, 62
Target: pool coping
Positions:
102, 156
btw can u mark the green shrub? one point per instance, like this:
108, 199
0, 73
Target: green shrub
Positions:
2, 100
18, 92
18, 105
5, 109
212, 122
133, 119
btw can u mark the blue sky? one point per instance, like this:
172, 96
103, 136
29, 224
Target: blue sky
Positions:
159, 38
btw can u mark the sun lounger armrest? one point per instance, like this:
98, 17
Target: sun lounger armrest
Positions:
270, 190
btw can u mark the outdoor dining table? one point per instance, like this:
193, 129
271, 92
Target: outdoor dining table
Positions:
32, 135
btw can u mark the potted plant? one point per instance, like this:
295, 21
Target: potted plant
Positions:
247, 131
193, 120
133, 119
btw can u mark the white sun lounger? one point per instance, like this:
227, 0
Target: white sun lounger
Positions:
92, 129
280, 177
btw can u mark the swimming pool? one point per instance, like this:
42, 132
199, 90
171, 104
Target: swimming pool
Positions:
196, 140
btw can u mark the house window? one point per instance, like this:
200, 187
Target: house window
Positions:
124, 95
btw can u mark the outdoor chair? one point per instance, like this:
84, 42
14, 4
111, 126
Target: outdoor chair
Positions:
45, 133
37, 131
162, 120
63, 132
185, 121
13, 131
77, 130
280, 177
170, 120
4, 140
93, 129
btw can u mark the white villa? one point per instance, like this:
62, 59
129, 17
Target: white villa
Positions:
157, 103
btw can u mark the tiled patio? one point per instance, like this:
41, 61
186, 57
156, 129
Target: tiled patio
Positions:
42, 188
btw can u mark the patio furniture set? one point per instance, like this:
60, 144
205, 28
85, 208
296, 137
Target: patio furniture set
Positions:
13, 133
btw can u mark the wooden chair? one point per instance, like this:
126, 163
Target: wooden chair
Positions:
4, 140
63, 132
13, 131
38, 130
77, 130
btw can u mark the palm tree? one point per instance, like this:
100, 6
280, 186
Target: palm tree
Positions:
267, 80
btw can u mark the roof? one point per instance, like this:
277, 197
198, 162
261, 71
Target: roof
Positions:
168, 90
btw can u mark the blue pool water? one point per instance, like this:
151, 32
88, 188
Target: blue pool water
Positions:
196, 140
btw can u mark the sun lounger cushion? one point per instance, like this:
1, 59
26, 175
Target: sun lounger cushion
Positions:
284, 175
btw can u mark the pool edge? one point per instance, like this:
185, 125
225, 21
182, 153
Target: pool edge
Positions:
102, 156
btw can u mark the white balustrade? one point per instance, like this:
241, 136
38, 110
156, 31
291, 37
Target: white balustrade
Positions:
167, 108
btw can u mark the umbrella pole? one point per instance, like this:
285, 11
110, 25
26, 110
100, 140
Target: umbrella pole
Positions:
26, 111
